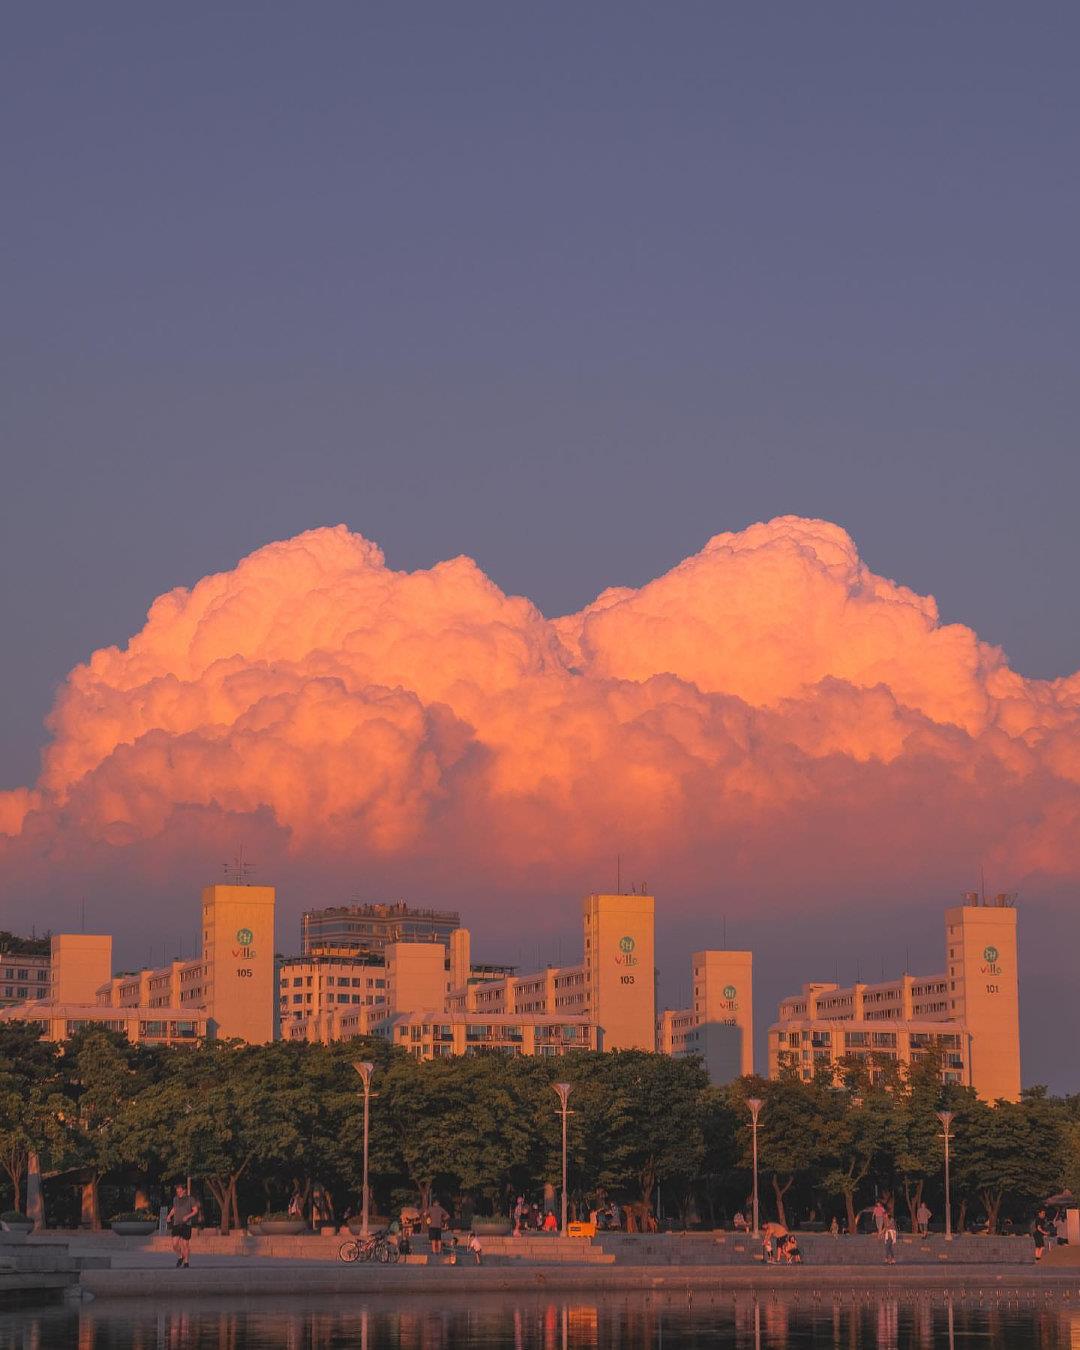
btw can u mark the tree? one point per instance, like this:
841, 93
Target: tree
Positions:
216, 1115
639, 1119
793, 1130
1013, 1150
101, 1082
27, 1092
861, 1128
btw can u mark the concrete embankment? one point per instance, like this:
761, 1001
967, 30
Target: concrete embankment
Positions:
257, 1281
39, 1271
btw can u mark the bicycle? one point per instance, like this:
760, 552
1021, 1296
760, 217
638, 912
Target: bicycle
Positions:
376, 1247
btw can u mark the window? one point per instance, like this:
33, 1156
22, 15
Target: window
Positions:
884, 1038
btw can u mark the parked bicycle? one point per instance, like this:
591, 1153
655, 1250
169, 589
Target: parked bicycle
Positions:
376, 1247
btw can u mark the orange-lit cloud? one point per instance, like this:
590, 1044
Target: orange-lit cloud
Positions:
768, 705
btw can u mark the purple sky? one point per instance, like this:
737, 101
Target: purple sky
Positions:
567, 288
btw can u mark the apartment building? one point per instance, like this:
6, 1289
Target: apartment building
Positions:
719, 1024
969, 1013
227, 992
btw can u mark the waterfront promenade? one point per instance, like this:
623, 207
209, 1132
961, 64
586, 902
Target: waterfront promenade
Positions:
242, 1266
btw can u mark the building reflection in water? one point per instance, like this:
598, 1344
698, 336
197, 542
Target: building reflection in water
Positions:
669, 1320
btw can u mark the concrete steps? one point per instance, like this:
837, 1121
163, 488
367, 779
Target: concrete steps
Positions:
41, 1269
818, 1249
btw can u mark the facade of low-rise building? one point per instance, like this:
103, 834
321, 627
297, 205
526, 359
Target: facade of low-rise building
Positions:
432, 1033
24, 971
969, 1013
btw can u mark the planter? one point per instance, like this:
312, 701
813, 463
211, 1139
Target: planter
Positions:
492, 1227
19, 1226
282, 1227
375, 1222
134, 1227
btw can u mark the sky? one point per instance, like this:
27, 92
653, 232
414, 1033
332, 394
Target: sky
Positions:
570, 291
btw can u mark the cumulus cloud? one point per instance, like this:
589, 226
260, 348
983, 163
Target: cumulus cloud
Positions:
768, 705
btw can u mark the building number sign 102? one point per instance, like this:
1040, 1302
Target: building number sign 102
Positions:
244, 951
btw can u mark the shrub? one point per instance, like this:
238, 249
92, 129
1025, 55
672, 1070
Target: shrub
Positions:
134, 1216
13, 1216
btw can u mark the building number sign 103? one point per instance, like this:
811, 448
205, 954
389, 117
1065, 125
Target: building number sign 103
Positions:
625, 957
244, 951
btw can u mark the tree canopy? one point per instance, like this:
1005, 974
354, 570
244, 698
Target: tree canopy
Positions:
252, 1125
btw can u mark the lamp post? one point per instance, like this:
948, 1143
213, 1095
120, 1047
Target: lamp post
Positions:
562, 1091
946, 1118
755, 1105
365, 1070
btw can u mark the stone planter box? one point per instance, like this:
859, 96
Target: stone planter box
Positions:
492, 1227
19, 1225
134, 1227
282, 1227
374, 1223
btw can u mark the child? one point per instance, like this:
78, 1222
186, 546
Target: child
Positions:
791, 1250
476, 1249
453, 1245
888, 1237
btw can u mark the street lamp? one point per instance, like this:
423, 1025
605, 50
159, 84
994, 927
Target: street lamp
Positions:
562, 1091
755, 1104
946, 1118
365, 1070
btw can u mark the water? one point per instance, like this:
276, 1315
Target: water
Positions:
658, 1321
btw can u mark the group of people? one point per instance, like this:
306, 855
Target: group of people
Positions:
435, 1219
527, 1216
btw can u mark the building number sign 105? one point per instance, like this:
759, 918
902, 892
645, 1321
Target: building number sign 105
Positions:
244, 951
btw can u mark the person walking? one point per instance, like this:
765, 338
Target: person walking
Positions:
182, 1214
888, 1238
880, 1214
437, 1217
922, 1219
476, 1249
1042, 1230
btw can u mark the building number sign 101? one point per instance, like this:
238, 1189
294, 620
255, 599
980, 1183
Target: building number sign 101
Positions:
244, 951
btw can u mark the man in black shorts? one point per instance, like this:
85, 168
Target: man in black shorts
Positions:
184, 1212
437, 1217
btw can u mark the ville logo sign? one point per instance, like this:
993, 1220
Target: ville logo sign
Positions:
625, 955
245, 937
990, 956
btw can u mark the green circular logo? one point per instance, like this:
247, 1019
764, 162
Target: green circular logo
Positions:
245, 937
729, 991
626, 944
990, 954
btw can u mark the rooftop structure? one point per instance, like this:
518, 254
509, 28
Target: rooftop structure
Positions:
369, 927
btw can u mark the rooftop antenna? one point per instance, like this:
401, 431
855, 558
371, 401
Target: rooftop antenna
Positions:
238, 872
618, 874
982, 885
723, 931
82, 917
